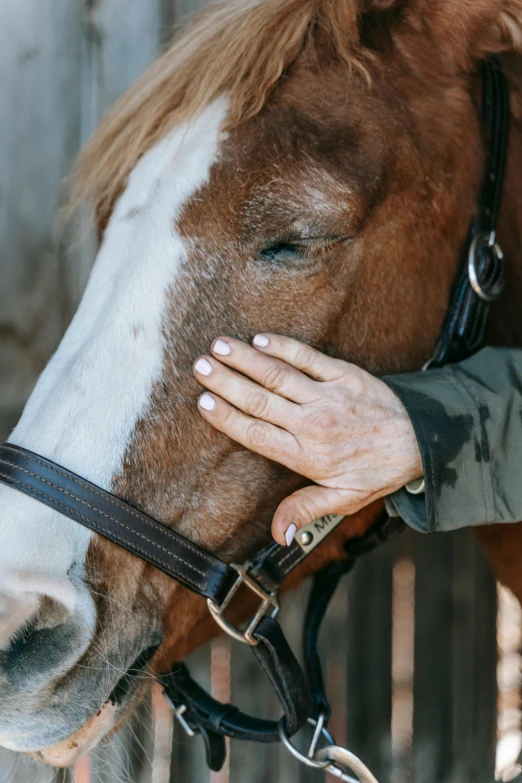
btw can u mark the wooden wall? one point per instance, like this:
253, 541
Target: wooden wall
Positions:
410, 644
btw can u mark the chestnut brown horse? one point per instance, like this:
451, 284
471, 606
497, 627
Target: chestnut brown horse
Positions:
308, 167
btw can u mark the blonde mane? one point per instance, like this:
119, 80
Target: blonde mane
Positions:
238, 47
241, 47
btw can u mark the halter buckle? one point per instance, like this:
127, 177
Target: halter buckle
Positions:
179, 714
269, 606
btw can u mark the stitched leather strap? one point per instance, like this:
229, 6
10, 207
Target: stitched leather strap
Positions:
137, 532
118, 521
273, 564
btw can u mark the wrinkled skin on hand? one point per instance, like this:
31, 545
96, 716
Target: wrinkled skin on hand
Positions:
323, 418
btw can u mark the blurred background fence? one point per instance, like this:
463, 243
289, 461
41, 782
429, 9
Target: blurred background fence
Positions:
410, 646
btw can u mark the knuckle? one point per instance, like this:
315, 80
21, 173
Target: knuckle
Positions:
225, 415
303, 512
257, 404
256, 435
275, 378
323, 422
305, 356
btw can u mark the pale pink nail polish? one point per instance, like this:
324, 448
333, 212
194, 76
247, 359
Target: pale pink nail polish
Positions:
222, 348
261, 341
203, 367
207, 402
290, 534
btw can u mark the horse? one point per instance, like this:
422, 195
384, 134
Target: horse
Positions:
306, 167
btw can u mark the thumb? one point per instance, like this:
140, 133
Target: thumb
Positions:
308, 504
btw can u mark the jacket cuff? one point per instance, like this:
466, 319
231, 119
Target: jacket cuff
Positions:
446, 420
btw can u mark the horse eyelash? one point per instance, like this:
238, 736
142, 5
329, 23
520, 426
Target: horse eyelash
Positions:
304, 247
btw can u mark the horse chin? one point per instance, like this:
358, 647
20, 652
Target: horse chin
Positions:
68, 751
107, 721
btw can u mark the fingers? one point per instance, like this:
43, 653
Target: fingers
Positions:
308, 504
273, 374
245, 394
301, 356
259, 436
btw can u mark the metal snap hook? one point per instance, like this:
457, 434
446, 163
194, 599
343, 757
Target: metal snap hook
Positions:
326, 758
335, 753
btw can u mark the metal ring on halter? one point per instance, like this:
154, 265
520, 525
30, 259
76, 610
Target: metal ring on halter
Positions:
488, 291
269, 606
296, 753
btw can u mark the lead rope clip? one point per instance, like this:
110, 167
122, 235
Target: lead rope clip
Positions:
330, 757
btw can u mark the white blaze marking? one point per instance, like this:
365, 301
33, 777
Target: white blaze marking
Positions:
88, 400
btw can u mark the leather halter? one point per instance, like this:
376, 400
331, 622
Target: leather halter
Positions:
480, 282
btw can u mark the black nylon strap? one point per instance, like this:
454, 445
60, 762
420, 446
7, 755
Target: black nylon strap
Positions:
121, 523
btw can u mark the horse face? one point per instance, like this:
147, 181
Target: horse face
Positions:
331, 216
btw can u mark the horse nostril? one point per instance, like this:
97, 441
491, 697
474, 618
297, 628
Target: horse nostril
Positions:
43, 634
16, 612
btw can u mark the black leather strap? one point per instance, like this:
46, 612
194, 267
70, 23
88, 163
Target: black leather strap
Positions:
137, 532
274, 563
464, 328
213, 720
495, 112
121, 523
324, 585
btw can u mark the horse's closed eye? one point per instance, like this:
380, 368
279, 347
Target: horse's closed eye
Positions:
286, 252
280, 252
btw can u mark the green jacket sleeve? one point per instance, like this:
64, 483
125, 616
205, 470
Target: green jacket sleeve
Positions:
468, 422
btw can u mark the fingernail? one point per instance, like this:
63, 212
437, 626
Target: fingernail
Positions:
207, 402
222, 348
203, 367
261, 341
290, 534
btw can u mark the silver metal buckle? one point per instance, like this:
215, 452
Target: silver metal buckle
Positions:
178, 713
269, 606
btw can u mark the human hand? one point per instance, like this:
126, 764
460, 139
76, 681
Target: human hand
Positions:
323, 418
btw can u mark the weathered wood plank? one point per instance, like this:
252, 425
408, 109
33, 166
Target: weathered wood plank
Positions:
432, 719
455, 681
368, 642
39, 77
475, 657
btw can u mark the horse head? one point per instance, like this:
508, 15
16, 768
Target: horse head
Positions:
294, 166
